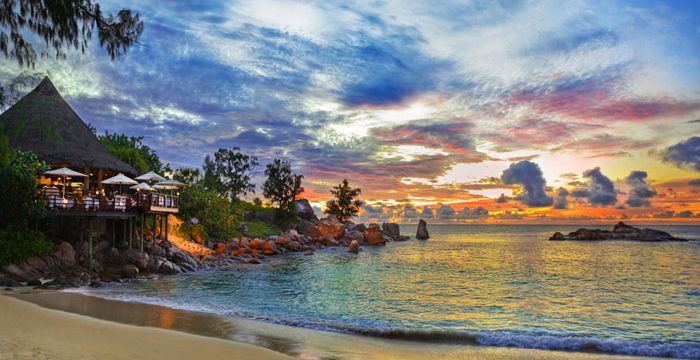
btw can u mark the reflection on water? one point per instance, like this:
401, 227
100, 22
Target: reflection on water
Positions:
494, 285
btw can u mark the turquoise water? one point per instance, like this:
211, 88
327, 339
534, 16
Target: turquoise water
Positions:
473, 284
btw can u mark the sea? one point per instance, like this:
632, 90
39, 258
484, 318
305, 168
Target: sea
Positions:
483, 285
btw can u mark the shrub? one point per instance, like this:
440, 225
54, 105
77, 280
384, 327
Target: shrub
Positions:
217, 218
17, 246
19, 206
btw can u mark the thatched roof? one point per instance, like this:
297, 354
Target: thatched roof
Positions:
42, 122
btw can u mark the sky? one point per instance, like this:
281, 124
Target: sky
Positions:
469, 111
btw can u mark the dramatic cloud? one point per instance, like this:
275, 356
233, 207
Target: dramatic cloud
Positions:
529, 175
445, 212
670, 214
600, 191
473, 214
410, 100
640, 190
686, 153
561, 201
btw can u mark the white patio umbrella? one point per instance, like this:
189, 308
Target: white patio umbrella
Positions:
65, 172
120, 179
142, 186
174, 183
150, 176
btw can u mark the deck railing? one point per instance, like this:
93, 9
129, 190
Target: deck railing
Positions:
119, 203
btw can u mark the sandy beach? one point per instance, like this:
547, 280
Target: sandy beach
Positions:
96, 328
29, 331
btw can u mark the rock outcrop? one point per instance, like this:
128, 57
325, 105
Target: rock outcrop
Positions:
354, 247
330, 227
621, 231
391, 230
374, 235
304, 210
422, 232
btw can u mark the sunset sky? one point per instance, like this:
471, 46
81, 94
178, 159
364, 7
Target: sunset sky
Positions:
573, 110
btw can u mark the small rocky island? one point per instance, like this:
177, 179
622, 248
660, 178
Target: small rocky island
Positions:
621, 231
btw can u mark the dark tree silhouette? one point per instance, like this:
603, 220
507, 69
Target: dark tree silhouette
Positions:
282, 186
187, 175
230, 173
345, 205
62, 25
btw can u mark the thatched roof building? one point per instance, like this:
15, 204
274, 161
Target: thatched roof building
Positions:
42, 122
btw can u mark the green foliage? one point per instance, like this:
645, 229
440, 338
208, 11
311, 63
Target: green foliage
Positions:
187, 175
132, 151
345, 205
229, 173
215, 214
20, 208
57, 26
17, 246
282, 186
259, 229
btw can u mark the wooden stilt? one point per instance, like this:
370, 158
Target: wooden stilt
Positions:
131, 231
114, 232
166, 226
89, 229
143, 234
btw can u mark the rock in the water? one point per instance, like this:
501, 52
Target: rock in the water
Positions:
621, 231
422, 232
374, 236
294, 246
169, 268
391, 230
35, 282
361, 227
331, 227
354, 247
220, 248
269, 248
256, 244
308, 228
130, 271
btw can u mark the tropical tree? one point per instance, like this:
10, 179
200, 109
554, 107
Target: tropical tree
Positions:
345, 205
133, 151
187, 175
230, 173
62, 25
282, 185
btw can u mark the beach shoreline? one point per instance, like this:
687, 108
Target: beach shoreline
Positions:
30, 331
117, 322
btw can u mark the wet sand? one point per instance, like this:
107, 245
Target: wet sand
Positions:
29, 331
200, 336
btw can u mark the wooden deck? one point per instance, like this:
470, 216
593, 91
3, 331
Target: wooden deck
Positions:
117, 207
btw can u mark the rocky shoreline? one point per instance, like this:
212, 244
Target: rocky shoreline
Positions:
621, 231
70, 266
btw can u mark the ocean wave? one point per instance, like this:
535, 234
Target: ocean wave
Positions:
543, 341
